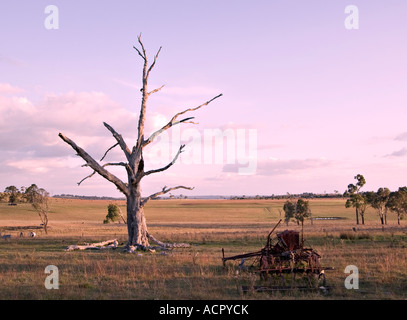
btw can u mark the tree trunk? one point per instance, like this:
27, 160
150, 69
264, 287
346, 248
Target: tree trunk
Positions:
46, 223
357, 216
136, 222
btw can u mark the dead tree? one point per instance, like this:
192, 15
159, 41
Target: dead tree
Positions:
138, 235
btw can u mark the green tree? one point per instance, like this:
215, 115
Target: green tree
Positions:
30, 193
112, 213
379, 201
397, 202
365, 200
13, 194
359, 201
3, 197
298, 210
302, 211
355, 200
289, 211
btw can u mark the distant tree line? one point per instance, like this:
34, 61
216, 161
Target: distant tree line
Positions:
72, 196
383, 201
304, 195
14, 195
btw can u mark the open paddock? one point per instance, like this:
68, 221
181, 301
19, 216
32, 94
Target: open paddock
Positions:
238, 226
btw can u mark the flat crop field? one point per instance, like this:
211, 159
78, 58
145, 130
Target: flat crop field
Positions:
197, 272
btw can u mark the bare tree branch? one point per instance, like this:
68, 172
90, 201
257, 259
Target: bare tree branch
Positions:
163, 191
96, 166
139, 52
143, 55
87, 177
155, 90
142, 47
105, 165
155, 59
108, 151
119, 140
144, 98
168, 165
173, 121
115, 164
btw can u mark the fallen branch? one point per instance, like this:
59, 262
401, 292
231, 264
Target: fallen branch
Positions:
109, 244
168, 245
160, 246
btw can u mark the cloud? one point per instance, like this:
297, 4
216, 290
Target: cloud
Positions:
29, 141
401, 137
6, 88
28, 126
29, 131
400, 153
44, 165
273, 166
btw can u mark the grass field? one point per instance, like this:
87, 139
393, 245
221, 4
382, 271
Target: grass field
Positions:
238, 226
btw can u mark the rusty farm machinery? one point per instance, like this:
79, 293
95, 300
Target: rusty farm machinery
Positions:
284, 255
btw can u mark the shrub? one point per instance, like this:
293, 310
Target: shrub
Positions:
112, 213
354, 236
347, 236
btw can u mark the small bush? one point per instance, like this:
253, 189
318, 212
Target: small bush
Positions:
354, 236
347, 236
364, 236
112, 213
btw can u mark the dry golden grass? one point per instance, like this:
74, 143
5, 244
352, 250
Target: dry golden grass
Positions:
238, 226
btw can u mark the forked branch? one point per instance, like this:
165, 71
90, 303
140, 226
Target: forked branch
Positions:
119, 140
108, 151
153, 64
96, 166
143, 53
105, 165
174, 121
168, 165
163, 191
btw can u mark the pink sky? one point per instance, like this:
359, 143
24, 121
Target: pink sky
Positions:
325, 102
